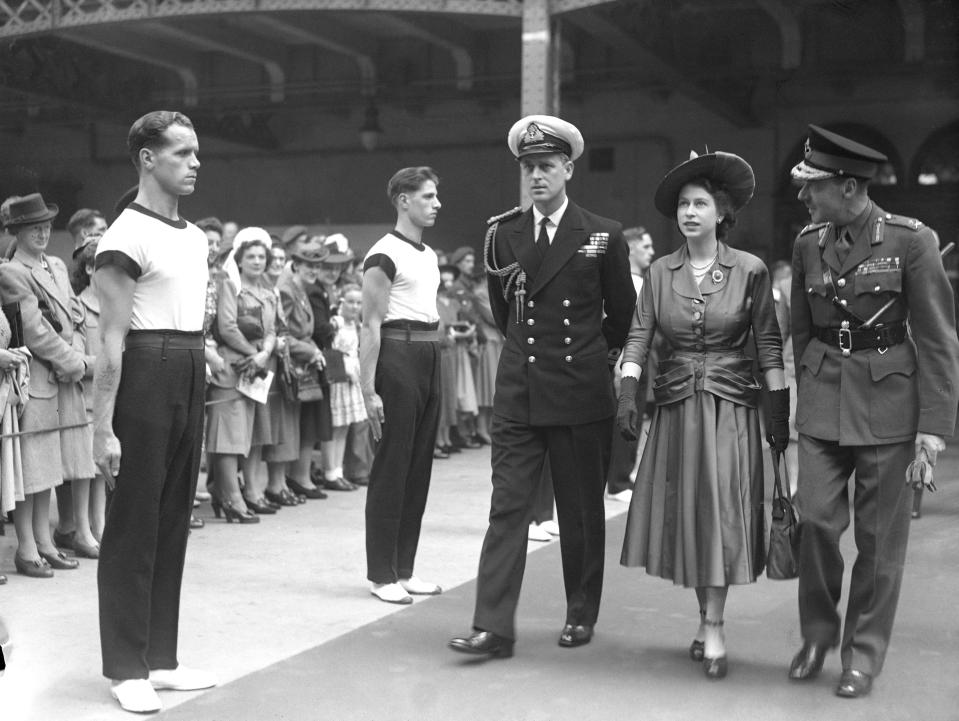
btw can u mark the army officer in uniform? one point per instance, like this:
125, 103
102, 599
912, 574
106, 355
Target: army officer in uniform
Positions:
553, 270
871, 395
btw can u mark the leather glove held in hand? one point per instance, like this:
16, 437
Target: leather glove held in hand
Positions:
626, 411
777, 425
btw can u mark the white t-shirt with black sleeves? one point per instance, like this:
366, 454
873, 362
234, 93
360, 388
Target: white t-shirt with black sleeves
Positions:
167, 259
414, 273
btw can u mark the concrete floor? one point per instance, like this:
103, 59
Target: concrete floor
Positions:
255, 596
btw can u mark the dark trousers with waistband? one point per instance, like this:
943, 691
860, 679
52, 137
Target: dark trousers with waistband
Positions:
578, 457
408, 381
882, 504
158, 420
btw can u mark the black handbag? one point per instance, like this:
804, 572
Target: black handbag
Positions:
782, 556
308, 386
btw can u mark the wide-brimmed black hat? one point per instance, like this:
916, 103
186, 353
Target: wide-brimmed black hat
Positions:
26, 210
312, 251
729, 171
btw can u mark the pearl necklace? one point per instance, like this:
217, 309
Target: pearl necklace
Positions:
703, 268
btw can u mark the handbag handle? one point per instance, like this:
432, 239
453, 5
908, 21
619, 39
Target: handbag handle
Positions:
778, 494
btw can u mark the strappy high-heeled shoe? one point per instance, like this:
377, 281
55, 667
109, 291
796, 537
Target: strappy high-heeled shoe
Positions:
714, 668
233, 513
260, 507
697, 647
281, 498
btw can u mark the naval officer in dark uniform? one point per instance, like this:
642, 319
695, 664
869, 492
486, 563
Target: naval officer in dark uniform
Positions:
877, 363
561, 294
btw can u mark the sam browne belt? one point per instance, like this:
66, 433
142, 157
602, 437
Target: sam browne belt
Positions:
849, 340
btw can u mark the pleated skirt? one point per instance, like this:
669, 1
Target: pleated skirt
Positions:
229, 421
447, 387
697, 515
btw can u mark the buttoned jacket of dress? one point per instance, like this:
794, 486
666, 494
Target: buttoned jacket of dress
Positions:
554, 367
707, 326
54, 354
298, 314
875, 396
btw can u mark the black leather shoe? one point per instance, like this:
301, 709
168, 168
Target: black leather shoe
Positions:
808, 662
853, 684
301, 490
63, 540
575, 635
483, 643
59, 560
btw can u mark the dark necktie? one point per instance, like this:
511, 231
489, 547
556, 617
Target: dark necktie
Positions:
542, 240
843, 244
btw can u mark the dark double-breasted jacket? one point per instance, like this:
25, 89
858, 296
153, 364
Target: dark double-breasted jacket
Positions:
575, 305
881, 395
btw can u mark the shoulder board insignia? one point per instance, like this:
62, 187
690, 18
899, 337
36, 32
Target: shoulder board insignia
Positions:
813, 227
903, 221
512, 213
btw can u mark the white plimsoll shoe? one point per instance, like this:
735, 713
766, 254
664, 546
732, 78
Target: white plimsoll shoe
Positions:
391, 593
136, 695
536, 533
551, 527
181, 678
420, 588
623, 496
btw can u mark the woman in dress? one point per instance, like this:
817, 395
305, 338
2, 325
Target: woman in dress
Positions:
89, 495
307, 260
448, 309
245, 321
696, 516
56, 441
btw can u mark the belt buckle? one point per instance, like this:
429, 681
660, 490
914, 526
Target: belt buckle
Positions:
845, 342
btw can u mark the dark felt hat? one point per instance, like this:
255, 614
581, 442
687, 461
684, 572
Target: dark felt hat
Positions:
830, 155
292, 233
312, 251
729, 171
26, 210
447, 268
339, 249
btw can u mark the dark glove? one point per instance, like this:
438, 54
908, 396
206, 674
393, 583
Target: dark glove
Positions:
627, 415
777, 425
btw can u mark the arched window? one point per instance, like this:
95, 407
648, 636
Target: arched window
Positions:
937, 162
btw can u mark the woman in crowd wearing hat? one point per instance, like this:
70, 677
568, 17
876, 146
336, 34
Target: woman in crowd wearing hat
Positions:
89, 496
246, 325
306, 261
328, 325
464, 258
696, 516
448, 309
56, 443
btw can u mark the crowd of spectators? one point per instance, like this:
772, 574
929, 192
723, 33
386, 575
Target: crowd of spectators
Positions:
285, 417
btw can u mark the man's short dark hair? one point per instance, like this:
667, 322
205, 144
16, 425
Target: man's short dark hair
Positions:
635, 234
409, 180
83, 219
147, 131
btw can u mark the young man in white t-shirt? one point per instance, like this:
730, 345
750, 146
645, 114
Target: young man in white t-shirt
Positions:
148, 413
400, 375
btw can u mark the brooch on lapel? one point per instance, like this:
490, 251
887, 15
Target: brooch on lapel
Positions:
717, 276
595, 246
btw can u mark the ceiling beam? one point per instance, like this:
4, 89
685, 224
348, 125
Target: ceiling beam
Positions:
670, 76
145, 51
789, 31
914, 27
228, 43
462, 60
309, 36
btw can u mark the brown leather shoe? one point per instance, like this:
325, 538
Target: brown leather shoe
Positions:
808, 662
483, 643
572, 636
853, 684
59, 560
